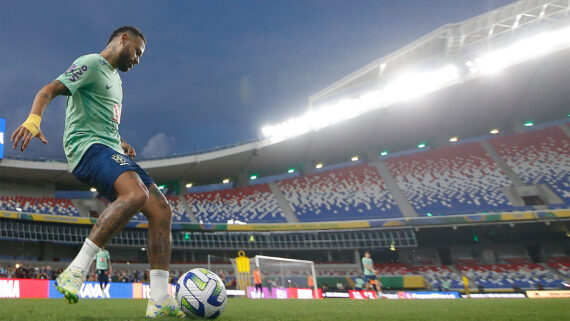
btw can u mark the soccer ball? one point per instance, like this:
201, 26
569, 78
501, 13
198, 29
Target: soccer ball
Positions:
201, 294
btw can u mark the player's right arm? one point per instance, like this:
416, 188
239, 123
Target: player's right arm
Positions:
31, 127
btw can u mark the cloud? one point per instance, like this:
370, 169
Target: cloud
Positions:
159, 145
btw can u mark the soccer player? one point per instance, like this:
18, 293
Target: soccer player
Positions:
257, 282
102, 262
370, 272
100, 157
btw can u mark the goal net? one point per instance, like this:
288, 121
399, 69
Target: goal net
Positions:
278, 272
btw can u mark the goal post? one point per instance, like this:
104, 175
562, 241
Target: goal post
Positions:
290, 272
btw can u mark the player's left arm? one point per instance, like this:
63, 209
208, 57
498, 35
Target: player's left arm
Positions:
129, 150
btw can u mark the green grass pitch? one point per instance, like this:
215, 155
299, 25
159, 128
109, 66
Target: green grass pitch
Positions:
286, 310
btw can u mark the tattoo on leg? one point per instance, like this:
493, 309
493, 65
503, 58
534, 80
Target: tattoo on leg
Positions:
112, 221
159, 239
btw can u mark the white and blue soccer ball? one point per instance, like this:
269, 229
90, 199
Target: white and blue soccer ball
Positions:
201, 294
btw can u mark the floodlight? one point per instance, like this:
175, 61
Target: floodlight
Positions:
454, 139
93, 189
188, 185
414, 84
528, 124
494, 131
531, 47
161, 187
422, 145
319, 165
253, 177
291, 171
354, 158
384, 153
407, 86
226, 180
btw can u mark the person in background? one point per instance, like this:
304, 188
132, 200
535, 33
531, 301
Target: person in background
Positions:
174, 278
359, 284
257, 281
103, 265
49, 272
9, 272
445, 285
370, 272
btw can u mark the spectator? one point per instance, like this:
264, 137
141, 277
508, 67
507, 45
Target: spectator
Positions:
174, 278
146, 277
124, 277
9, 272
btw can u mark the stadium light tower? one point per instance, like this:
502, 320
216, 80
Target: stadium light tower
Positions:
478, 46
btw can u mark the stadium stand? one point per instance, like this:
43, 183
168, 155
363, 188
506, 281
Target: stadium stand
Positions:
349, 193
561, 264
178, 211
250, 204
539, 157
39, 205
510, 275
458, 179
435, 274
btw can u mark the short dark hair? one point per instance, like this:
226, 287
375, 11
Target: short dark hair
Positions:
124, 29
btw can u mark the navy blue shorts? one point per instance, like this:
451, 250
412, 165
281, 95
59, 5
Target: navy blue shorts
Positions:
367, 278
102, 276
100, 167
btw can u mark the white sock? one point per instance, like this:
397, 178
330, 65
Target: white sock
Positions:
158, 285
85, 256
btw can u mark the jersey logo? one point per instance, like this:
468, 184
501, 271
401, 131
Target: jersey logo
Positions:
119, 159
76, 72
117, 112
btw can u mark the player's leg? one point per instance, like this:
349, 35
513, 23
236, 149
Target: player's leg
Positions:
132, 195
101, 281
378, 287
159, 214
105, 282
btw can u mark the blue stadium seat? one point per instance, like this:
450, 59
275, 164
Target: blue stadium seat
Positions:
350, 193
